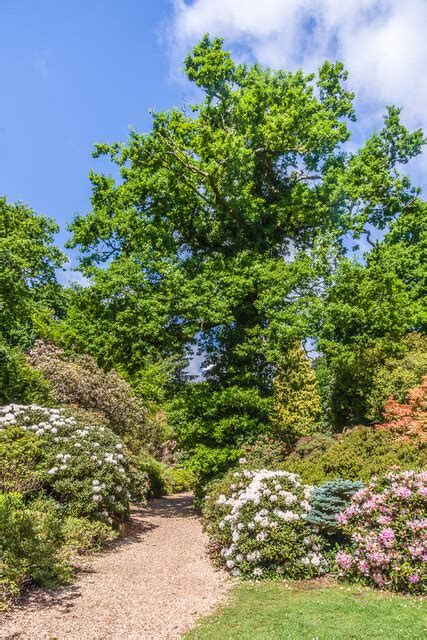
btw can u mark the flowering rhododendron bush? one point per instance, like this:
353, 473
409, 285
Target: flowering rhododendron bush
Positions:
257, 527
387, 525
80, 463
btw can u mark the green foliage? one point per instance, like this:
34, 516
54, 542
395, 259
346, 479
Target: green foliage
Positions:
82, 534
31, 539
156, 473
315, 444
296, 407
356, 383
362, 320
266, 453
396, 374
28, 260
180, 479
327, 501
19, 382
213, 425
359, 454
220, 234
163, 479
23, 459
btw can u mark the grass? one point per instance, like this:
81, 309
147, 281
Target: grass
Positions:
313, 611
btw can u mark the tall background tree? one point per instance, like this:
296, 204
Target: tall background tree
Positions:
28, 260
223, 232
30, 296
371, 322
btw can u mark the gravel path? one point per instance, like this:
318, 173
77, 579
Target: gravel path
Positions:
153, 584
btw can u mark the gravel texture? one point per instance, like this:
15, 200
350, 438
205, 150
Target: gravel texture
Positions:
154, 583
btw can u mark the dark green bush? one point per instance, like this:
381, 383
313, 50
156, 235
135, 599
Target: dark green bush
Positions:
358, 455
327, 500
31, 540
19, 382
265, 452
316, 444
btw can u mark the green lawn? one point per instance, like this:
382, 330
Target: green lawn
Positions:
313, 611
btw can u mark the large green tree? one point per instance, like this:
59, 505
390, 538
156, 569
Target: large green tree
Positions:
364, 318
29, 290
226, 221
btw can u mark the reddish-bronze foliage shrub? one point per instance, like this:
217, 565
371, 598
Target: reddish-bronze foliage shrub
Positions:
408, 421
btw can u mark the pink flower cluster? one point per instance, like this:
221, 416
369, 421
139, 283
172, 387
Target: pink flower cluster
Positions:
388, 531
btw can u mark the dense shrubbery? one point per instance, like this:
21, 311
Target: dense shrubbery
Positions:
80, 463
395, 374
357, 455
388, 529
163, 479
266, 452
213, 426
38, 543
31, 543
82, 534
78, 380
256, 522
327, 501
19, 382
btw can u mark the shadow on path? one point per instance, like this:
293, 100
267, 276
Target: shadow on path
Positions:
178, 506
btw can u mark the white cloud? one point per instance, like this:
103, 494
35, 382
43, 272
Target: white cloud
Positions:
383, 43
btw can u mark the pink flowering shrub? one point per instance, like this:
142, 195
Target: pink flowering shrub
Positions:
388, 530
256, 521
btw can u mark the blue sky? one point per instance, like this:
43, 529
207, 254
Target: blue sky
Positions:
74, 73
78, 72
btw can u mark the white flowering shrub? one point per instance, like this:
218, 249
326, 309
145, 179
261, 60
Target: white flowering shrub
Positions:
256, 520
77, 461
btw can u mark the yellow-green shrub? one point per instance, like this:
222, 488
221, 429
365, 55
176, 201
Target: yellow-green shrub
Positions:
358, 455
82, 534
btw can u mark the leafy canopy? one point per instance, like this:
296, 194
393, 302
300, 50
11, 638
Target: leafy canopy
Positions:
28, 259
225, 222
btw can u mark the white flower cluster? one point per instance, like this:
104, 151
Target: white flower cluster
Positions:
48, 420
262, 506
